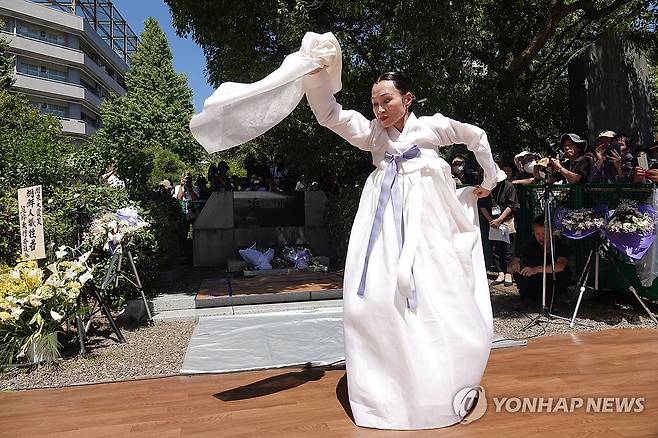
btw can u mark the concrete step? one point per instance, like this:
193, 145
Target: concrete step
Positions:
168, 302
266, 298
195, 314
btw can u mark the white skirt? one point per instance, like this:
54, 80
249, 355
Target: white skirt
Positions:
404, 367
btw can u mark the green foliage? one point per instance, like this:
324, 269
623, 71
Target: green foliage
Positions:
166, 164
155, 112
10, 242
341, 210
68, 212
469, 59
34, 150
6, 63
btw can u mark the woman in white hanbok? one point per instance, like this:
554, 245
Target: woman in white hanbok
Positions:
417, 312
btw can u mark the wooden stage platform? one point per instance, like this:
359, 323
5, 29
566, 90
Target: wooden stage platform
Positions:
313, 403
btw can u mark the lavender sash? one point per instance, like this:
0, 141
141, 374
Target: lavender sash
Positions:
390, 190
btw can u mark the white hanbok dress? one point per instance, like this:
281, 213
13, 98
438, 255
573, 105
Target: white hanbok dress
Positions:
405, 363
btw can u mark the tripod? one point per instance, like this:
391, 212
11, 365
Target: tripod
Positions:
600, 248
545, 315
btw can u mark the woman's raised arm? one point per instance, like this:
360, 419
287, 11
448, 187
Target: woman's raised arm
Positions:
351, 125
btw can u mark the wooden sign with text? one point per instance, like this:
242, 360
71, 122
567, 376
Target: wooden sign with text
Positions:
30, 216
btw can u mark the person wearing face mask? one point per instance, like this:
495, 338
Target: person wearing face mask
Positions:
462, 173
525, 163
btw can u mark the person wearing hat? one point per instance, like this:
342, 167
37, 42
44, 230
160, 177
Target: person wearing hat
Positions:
575, 168
614, 159
498, 210
165, 187
525, 163
462, 173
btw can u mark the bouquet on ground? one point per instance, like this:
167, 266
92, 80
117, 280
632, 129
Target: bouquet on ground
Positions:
581, 222
111, 229
299, 258
632, 228
35, 302
257, 258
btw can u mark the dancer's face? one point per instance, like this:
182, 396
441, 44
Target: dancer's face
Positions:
389, 105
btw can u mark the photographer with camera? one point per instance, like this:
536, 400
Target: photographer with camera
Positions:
185, 190
615, 162
575, 168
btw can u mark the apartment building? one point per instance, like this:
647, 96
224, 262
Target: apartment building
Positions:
69, 56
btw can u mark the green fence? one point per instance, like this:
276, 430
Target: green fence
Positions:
531, 200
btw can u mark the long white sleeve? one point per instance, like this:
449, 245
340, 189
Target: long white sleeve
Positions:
453, 132
351, 125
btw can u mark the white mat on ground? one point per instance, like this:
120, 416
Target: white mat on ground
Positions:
271, 340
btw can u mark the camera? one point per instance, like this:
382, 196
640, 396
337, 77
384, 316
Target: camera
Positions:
613, 146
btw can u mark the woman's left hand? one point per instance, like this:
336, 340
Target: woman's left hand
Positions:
481, 192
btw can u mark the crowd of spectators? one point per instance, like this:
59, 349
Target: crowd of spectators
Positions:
260, 178
614, 159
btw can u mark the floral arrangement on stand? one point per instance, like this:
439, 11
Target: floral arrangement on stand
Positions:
631, 228
110, 230
35, 303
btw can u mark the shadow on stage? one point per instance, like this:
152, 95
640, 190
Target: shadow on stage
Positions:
290, 380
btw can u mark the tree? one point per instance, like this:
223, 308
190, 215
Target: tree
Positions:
6, 64
155, 112
501, 65
34, 150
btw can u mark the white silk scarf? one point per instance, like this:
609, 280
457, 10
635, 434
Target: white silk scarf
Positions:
237, 113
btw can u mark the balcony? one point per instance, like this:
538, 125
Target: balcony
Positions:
77, 128
62, 90
48, 51
58, 54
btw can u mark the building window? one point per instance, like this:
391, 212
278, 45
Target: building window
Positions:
42, 35
52, 109
42, 72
